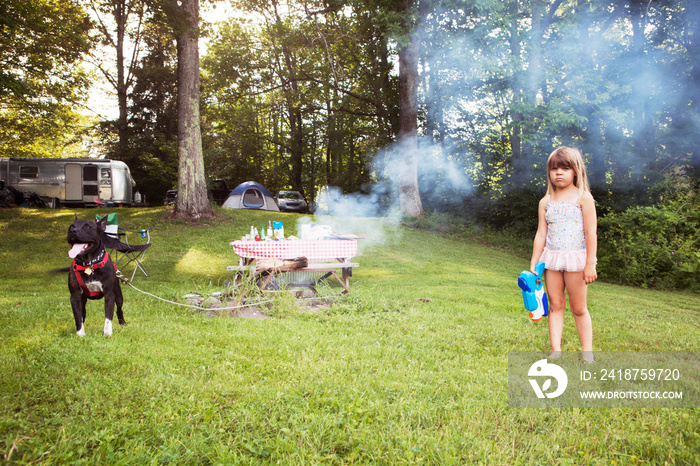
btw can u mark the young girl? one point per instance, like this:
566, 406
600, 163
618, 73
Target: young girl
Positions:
567, 242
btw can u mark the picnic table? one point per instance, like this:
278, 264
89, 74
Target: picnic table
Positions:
324, 258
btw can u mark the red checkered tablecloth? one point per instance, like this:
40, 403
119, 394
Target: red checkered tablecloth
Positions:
314, 251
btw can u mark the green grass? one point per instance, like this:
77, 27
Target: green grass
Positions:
410, 367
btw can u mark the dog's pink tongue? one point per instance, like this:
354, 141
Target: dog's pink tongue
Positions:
76, 249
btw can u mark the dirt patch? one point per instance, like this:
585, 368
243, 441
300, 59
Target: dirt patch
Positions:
218, 305
243, 313
315, 306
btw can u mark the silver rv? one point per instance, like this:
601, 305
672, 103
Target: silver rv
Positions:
71, 181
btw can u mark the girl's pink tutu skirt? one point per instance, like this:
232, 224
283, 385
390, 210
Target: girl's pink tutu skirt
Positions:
564, 261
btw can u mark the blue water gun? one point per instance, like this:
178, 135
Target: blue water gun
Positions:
534, 297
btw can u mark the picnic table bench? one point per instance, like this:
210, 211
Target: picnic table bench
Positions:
297, 258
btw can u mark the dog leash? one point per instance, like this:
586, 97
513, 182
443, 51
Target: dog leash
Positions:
126, 281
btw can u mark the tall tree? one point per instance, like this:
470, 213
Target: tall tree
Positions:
192, 201
152, 154
641, 114
288, 69
120, 25
528, 76
409, 194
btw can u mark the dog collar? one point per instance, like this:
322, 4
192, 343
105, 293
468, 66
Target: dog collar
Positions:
96, 263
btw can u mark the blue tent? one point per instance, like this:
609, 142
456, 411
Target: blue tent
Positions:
251, 195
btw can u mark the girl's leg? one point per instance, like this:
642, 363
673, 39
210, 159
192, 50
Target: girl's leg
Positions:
557, 304
578, 292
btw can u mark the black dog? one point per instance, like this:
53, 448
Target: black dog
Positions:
92, 274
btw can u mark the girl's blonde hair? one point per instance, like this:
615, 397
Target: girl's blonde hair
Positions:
568, 157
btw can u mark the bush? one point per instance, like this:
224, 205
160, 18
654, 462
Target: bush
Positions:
656, 246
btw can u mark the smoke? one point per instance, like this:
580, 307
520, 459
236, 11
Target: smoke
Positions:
442, 178
591, 84
374, 212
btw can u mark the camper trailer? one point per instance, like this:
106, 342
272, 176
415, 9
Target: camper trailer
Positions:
71, 181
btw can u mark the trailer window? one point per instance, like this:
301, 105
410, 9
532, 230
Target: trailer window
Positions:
27, 172
89, 173
105, 177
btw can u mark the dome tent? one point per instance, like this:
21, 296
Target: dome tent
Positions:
251, 195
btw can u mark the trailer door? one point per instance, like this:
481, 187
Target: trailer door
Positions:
74, 182
90, 183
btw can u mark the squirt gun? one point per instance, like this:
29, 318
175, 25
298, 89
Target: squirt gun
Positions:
534, 297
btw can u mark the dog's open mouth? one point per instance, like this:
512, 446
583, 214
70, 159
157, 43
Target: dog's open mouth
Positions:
78, 249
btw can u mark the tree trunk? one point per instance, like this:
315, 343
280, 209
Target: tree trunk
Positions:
122, 16
641, 124
192, 201
517, 90
409, 195
296, 124
386, 113
293, 98
296, 159
122, 123
594, 129
527, 82
434, 121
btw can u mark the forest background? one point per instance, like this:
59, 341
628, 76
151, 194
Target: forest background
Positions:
305, 95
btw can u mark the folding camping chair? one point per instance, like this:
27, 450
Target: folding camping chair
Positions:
116, 239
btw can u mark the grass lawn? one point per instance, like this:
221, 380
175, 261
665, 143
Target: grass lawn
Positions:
410, 367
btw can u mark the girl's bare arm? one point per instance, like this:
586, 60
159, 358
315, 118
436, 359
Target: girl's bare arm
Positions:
540, 236
590, 228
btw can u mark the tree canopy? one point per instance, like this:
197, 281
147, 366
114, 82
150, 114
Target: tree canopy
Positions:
42, 85
306, 94
501, 84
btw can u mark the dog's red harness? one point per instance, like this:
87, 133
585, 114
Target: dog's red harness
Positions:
78, 269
